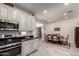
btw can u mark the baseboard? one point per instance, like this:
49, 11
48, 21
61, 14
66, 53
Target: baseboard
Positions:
31, 52
72, 45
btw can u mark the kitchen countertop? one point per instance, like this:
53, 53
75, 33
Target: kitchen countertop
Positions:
25, 38
12, 37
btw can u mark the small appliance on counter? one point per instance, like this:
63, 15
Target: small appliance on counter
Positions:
1, 35
23, 33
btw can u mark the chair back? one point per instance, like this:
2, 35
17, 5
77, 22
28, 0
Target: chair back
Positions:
65, 38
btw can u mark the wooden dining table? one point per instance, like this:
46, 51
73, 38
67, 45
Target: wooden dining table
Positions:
58, 39
54, 38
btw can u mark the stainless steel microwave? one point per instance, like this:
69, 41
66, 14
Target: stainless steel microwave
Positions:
8, 25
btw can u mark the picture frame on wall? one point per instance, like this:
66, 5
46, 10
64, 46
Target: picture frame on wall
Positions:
57, 29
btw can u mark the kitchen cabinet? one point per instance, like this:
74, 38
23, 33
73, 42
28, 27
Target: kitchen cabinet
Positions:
26, 20
23, 22
3, 12
27, 23
29, 46
21, 26
31, 23
15, 14
26, 47
35, 44
9, 15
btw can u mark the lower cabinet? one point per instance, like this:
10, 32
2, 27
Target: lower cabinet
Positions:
35, 44
29, 46
26, 47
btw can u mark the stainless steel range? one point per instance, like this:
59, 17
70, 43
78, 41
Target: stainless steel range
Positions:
10, 46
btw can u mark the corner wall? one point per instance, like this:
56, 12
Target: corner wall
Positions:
66, 27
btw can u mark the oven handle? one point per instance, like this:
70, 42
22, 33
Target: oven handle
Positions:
9, 45
9, 48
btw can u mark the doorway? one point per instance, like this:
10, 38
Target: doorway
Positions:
39, 32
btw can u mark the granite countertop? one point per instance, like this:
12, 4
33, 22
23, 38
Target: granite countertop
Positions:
19, 37
12, 37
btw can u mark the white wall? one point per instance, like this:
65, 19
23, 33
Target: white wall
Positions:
66, 27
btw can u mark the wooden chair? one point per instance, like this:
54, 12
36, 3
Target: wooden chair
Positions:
48, 37
61, 40
55, 38
65, 41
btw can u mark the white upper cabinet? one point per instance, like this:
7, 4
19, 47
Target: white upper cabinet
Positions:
26, 20
9, 13
15, 14
31, 23
23, 21
21, 25
3, 12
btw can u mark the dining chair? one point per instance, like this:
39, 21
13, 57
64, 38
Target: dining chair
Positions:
55, 38
46, 38
49, 37
65, 40
61, 40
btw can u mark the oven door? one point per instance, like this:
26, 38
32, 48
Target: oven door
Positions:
11, 51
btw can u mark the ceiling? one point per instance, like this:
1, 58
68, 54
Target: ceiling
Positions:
54, 11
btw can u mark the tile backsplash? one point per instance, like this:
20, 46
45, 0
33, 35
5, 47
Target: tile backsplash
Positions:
9, 32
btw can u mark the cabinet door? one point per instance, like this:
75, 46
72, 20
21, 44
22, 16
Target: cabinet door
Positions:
36, 44
26, 48
14, 14
9, 13
22, 22
33, 23
3, 12
28, 23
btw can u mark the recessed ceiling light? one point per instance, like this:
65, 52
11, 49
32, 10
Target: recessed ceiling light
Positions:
45, 11
66, 3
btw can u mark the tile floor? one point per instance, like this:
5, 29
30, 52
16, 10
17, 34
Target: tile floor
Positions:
49, 49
